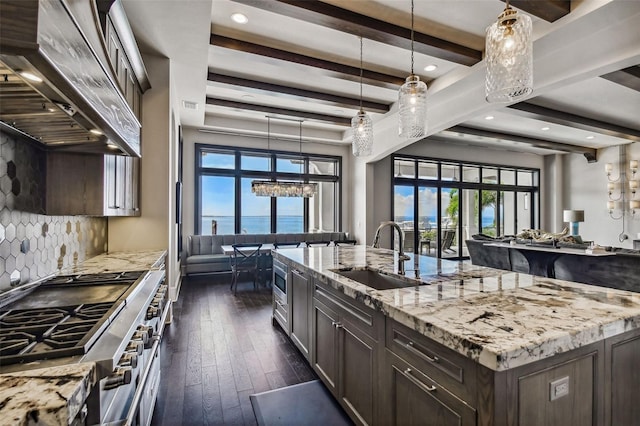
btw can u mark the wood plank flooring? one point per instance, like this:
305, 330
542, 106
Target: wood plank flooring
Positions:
220, 349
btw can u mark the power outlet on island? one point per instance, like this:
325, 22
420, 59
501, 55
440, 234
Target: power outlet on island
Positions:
559, 388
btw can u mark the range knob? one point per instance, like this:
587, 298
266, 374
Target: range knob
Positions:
142, 336
147, 331
121, 376
152, 312
135, 346
128, 359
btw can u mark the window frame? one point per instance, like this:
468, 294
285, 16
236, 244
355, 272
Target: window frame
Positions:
238, 173
439, 183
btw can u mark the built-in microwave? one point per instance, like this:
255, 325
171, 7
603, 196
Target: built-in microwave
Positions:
280, 279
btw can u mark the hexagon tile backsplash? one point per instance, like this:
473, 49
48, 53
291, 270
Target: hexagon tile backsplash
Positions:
33, 245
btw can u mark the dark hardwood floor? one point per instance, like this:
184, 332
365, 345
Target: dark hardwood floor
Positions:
220, 349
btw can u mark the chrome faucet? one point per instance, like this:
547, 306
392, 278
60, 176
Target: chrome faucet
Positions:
401, 256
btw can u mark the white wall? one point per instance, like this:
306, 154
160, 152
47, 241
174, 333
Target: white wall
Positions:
193, 136
586, 189
155, 228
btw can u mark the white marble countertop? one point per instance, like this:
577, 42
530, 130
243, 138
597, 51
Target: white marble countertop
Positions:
47, 396
500, 319
118, 262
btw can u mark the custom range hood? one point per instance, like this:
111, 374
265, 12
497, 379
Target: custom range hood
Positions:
54, 89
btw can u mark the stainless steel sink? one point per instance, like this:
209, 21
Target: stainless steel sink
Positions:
377, 280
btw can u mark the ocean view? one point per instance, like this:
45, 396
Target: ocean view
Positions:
252, 224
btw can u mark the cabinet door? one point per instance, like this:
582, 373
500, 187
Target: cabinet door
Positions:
623, 359
325, 345
357, 371
417, 400
300, 312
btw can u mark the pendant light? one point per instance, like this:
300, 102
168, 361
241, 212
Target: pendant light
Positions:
412, 101
361, 125
269, 188
509, 57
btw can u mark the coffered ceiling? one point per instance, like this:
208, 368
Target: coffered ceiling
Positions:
300, 60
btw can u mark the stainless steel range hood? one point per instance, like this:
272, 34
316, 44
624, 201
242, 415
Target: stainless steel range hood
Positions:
53, 87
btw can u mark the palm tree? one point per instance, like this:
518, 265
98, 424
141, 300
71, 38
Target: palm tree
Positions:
488, 200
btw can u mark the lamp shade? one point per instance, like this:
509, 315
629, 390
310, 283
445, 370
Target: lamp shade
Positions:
573, 215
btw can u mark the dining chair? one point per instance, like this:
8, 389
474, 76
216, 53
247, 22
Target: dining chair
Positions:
345, 243
318, 243
447, 239
286, 244
245, 259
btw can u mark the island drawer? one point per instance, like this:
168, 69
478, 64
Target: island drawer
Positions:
452, 370
362, 317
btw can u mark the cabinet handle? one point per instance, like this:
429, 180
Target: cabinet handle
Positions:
336, 324
410, 346
279, 303
409, 375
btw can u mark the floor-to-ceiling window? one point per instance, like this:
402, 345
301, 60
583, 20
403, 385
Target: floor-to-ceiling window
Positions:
225, 203
441, 203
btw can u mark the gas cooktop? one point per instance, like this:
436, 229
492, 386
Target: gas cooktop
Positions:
62, 316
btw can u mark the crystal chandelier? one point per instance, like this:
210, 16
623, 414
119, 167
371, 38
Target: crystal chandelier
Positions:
361, 125
509, 57
412, 101
267, 188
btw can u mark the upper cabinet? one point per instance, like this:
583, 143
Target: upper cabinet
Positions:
122, 52
92, 185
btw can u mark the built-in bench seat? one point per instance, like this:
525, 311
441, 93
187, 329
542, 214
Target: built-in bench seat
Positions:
205, 255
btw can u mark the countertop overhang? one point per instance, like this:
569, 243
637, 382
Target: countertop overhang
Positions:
500, 319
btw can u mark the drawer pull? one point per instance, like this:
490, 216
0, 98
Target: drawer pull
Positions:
409, 375
336, 324
410, 346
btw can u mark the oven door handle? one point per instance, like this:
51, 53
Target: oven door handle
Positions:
137, 397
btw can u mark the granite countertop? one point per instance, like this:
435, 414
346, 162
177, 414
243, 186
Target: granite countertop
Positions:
118, 261
500, 319
47, 396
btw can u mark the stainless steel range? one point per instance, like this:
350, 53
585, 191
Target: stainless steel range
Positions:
113, 319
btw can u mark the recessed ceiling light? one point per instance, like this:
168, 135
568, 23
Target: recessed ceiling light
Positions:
489, 117
590, 137
239, 18
95, 132
31, 77
431, 67
544, 129
112, 145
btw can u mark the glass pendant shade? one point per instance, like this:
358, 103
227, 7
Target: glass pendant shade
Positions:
509, 57
412, 101
263, 188
362, 128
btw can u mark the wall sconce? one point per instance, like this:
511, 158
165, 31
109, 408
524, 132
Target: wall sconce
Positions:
633, 186
633, 206
611, 206
611, 188
633, 167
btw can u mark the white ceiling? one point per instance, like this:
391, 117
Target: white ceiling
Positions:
570, 54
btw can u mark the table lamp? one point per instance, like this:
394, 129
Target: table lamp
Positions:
574, 217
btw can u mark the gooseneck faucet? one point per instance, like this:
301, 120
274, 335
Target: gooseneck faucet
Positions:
401, 256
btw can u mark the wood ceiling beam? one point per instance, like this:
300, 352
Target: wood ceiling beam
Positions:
295, 93
549, 10
342, 121
326, 15
628, 77
589, 153
529, 110
368, 77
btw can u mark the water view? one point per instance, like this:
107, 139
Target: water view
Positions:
252, 224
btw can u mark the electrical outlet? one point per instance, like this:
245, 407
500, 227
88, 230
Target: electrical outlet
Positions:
559, 388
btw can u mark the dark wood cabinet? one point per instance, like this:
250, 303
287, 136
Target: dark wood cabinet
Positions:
93, 185
415, 399
346, 352
622, 391
300, 307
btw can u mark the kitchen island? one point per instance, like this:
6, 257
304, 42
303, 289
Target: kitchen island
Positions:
510, 346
